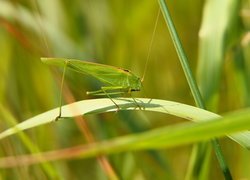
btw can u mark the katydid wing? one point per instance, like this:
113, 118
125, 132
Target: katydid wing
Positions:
117, 80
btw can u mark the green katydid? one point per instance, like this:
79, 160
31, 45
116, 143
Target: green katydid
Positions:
118, 80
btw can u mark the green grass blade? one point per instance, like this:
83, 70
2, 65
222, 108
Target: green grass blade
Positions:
189, 76
165, 137
32, 147
213, 43
103, 105
182, 55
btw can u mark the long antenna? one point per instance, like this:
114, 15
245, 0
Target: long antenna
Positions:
150, 45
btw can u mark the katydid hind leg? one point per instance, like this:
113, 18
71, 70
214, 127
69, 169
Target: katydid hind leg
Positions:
62, 82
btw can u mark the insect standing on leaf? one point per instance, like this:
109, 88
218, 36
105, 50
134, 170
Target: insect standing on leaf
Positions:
117, 80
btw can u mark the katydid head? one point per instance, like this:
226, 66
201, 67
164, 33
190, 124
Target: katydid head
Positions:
135, 83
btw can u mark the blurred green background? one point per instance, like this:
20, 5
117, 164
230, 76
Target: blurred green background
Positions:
214, 35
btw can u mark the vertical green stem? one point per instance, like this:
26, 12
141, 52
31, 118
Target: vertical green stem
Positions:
223, 165
191, 81
182, 56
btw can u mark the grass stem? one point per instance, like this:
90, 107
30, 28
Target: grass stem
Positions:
191, 81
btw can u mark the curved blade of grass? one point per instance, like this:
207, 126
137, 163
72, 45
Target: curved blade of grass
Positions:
165, 137
31, 146
102, 105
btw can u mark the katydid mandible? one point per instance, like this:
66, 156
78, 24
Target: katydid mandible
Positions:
117, 80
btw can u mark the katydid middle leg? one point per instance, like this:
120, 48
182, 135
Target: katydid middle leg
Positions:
108, 91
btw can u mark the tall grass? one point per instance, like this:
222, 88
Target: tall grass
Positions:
119, 33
